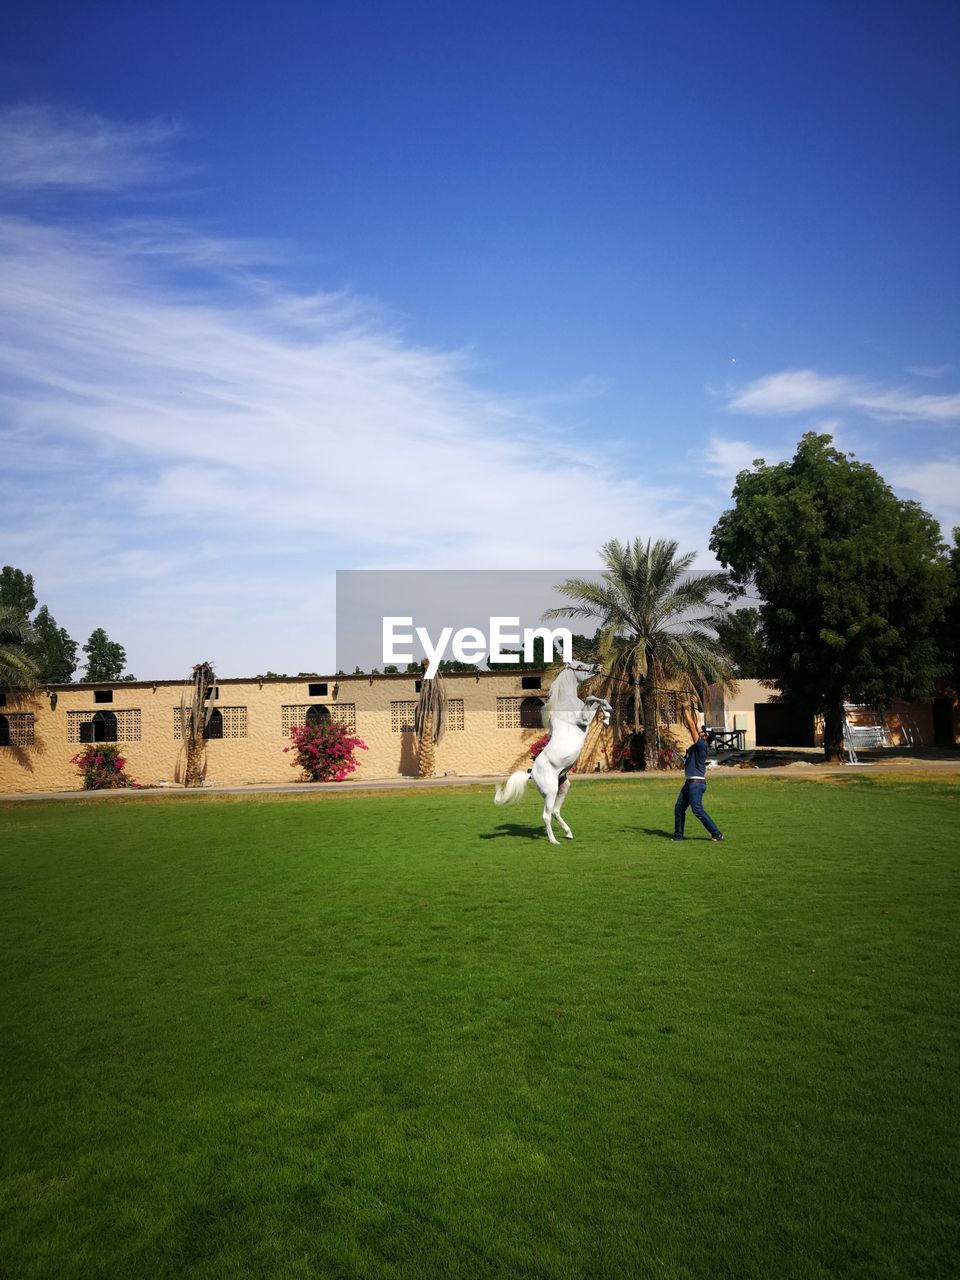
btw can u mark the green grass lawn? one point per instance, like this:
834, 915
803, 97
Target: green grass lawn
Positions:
397, 1035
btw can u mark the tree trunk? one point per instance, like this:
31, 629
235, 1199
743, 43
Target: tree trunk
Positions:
426, 751
651, 735
833, 733
193, 771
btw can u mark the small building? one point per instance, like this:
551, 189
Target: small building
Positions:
493, 717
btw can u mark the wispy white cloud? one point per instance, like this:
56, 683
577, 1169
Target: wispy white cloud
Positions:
725, 459
804, 391
935, 485
44, 146
930, 370
194, 459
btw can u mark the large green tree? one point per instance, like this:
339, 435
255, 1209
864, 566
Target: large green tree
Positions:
741, 635
16, 591
950, 631
853, 580
55, 652
656, 631
52, 653
105, 658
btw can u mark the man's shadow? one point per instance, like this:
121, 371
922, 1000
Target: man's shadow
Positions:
651, 831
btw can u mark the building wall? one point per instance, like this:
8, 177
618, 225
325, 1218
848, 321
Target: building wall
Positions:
907, 723
257, 711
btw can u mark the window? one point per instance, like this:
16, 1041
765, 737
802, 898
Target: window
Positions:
212, 692
226, 722
3, 699
103, 695
316, 715
16, 729
417, 686
90, 726
530, 713
101, 727
669, 706
530, 682
455, 715
402, 715
317, 690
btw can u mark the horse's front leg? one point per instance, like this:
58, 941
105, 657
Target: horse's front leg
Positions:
561, 796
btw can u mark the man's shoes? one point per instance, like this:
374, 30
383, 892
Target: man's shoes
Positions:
676, 837
717, 838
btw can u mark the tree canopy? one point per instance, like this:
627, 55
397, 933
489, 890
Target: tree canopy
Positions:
105, 658
16, 592
741, 635
853, 580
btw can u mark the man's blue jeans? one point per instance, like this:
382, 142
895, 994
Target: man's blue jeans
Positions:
691, 796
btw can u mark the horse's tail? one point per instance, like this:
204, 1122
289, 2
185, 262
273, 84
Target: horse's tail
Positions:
513, 788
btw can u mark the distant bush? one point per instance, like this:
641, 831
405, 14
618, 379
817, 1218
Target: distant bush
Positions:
538, 746
102, 768
324, 751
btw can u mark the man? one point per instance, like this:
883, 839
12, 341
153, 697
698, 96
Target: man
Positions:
694, 784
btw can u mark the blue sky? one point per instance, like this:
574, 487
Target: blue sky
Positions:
299, 287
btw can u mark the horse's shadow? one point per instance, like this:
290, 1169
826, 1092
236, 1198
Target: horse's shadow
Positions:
513, 829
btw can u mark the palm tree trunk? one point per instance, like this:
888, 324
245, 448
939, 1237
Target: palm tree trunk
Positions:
651, 736
426, 750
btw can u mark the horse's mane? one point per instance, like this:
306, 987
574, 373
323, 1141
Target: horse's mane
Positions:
562, 699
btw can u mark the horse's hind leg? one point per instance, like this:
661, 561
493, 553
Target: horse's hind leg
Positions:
549, 793
561, 796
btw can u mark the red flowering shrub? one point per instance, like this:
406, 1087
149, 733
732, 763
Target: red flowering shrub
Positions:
324, 751
102, 767
537, 747
628, 753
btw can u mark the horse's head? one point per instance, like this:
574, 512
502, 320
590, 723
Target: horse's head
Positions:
582, 670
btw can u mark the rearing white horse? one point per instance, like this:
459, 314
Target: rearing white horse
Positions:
568, 720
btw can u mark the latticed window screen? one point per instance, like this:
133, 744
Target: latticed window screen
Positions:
345, 713
128, 724
234, 721
402, 715
292, 717
17, 729
295, 717
508, 713
455, 715
669, 703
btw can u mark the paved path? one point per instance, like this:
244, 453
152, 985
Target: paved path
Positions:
939, 764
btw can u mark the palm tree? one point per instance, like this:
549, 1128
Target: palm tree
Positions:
195, 712
19, 670
655, 626
430, 723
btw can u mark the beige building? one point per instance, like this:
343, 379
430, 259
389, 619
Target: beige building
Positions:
754, 711
493, 718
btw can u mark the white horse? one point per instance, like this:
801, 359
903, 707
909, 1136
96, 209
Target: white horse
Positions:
568, 720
